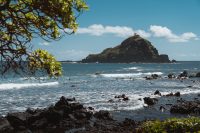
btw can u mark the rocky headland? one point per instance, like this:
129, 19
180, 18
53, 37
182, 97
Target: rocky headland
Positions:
134, 49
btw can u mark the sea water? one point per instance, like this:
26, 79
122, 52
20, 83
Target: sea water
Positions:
95, 84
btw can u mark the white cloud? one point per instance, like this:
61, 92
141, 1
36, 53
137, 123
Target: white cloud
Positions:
120, 31
160, 31
124, 31
44, 43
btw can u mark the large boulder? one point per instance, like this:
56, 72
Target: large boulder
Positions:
150, 101
133, 49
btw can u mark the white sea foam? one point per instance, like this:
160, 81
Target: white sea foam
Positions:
129, 75
8, 86
131, 68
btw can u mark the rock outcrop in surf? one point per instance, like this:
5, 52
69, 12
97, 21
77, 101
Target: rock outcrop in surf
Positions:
133, 49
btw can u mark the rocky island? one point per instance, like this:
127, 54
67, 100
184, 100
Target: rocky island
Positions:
134, 49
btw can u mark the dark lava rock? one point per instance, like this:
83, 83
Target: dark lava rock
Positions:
198, 74
53, 116
154, 76
62, 102
65, 116
133, 49
105, 115
171, 76
111, 101
157, 92
183, 74
125, 99
170, 94
149, 101
17, 119
177, 94
121, 97
90, 108
186, 107
5, 126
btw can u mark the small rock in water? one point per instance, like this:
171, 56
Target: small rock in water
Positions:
110, 101
177, 94
198, 74
149, 101
121, 97
170, 94
126, 99
157, 92
90, 108
171, 76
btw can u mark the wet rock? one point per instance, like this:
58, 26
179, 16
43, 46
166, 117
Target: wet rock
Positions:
122, 97
125, 99
90, 108
111, 101
177, 94
184, 74
157, 92
170, 94
71, 99
105, 115
198, 74
73, 86
61, 103
149, 101
171, 76
154, 76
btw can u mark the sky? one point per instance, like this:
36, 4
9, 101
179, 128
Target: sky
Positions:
172, 26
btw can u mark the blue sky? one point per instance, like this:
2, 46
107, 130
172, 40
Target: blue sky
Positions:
173, 27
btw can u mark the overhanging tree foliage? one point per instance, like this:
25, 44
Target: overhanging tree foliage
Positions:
23, 20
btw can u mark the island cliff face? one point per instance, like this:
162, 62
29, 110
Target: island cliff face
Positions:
133, 49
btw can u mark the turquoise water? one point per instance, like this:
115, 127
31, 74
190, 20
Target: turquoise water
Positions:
95, 84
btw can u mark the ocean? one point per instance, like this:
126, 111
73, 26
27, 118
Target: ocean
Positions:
95, 84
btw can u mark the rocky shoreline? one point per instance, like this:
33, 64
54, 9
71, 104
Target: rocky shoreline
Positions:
69, 116
66, 116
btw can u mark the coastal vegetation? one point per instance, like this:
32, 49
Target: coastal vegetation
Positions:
172, 125
23, 20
